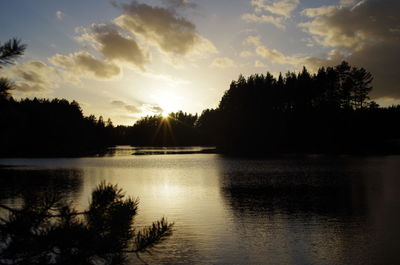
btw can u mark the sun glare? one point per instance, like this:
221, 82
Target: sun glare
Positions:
165, 114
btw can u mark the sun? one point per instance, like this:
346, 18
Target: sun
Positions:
165, 115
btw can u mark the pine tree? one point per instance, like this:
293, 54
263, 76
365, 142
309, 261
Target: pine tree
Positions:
9, 51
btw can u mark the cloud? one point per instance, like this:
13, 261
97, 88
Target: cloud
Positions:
83, 64
141, 108
347, 2
60, 15
252, 40
33, 78
280, 7
259, 64
223, 63
368, 35
179, 4
132, 109
384, 67
114, 46
118, 103
156, 109
369, 22
319, 11
277, 21
162, 27
265, 52
152, 109
245, 54
277, 12
276, 56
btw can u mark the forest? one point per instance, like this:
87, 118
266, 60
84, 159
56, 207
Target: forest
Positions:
329, 111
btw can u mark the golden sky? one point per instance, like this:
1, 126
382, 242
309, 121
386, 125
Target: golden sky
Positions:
125, 59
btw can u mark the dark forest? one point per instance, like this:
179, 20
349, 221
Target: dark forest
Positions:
326, 112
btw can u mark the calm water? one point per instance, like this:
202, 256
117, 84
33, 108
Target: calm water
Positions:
292, 210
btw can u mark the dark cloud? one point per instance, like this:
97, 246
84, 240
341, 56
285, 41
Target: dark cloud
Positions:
33, 77
381, 60
117, 103
132, 109
369, 34
84, 64
29, 88
164, 28
156, 109
117, 47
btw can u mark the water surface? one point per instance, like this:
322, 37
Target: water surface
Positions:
288, 210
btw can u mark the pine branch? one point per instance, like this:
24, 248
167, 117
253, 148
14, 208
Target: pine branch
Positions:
152, 235
10, 50
5, 86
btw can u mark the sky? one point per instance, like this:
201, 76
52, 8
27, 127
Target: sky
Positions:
125, 59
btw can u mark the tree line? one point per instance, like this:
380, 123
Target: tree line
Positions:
327, 111
43, 127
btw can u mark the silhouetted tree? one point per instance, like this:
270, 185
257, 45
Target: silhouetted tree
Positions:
179, 128
361, 80
9, 51
41, 127
47, 230
325, 111
5, 86
328, 111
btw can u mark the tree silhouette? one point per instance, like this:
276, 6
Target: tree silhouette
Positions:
42, 127
9, 51
361, 80
47, 230
300, 112
326, 111
177, 129
5, 86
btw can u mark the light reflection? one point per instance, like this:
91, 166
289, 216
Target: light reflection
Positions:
226, 212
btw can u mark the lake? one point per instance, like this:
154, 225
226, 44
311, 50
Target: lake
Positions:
311, 209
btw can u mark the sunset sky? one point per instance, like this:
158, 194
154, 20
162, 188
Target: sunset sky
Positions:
126, 59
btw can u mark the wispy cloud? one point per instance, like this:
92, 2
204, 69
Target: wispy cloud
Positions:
347, 2
179, 4
60, 15
138, 109
280, 7
319, 11
272, 12
276, 21
259, 64
223, 62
